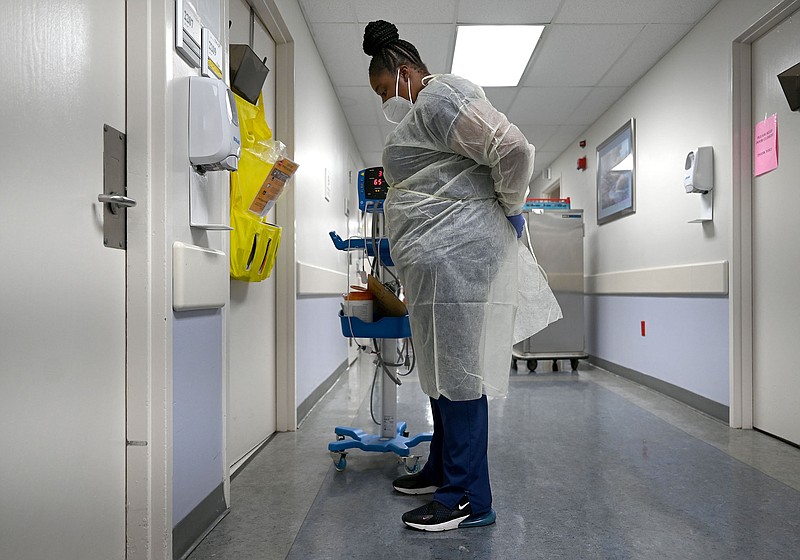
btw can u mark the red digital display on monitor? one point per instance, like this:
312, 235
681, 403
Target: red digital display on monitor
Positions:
374, 184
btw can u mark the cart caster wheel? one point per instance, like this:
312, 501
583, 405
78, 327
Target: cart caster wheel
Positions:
574, 363
339, 461
533, 364
411, 464
555, 365
513, 363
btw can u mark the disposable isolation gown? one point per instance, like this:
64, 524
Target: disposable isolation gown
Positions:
456, 168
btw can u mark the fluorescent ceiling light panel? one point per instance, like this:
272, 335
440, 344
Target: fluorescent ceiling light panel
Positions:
494, 55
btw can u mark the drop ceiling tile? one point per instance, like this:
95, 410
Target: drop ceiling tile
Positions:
517, 12
563, 138
641, 11
327, 11
367, 137
578, 55
596, 103
558, 102
546, 105
646, 50
434, 42
360, 105
538, 134
501, 97
407, 11
339, 46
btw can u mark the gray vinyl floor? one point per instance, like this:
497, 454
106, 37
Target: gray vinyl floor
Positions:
583, 466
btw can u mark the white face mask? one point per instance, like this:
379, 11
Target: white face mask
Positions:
397, 107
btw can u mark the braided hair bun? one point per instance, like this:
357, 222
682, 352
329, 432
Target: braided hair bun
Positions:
388, 51
378, 35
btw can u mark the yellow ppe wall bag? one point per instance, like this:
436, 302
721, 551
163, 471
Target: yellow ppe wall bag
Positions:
253, 128
253, 125
254, 244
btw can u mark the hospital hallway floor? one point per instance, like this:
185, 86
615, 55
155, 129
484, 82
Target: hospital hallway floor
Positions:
584, 465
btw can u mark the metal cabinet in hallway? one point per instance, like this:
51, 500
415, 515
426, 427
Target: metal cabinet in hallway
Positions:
557, 239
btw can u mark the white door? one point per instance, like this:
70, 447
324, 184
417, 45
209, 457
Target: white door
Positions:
776, 251
251, 320
553, 191
62, 324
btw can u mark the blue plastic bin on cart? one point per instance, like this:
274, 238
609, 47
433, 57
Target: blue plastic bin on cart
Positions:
388, 327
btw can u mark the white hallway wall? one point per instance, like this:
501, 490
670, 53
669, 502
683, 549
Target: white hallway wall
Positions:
682, 103
198, 446
322, 141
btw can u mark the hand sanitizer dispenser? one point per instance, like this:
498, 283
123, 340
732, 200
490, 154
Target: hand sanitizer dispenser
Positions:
698, 176
214, 142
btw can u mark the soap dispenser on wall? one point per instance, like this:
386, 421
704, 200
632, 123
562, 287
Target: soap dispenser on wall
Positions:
698, 178
214, 142
214, 145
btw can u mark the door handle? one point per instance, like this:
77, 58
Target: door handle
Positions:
116, 200
115, 203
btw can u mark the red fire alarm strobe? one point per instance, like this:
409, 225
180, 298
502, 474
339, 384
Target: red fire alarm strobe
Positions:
582, 163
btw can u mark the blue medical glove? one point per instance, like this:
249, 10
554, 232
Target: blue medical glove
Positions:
518, 222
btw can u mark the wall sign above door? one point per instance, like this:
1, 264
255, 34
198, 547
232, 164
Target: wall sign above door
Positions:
188, 32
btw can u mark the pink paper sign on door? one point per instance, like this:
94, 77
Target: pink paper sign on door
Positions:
765, 157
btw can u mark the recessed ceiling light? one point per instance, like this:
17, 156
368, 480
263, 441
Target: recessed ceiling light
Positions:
494, 55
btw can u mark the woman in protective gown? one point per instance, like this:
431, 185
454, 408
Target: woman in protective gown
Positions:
458, 173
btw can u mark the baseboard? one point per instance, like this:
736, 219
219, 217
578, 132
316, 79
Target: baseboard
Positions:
305, 407
239, 465
191, 531
703, 404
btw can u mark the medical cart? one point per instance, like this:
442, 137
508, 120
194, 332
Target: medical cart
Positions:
386, 333
557, 237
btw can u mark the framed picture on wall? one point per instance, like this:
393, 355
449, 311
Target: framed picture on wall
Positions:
616, 174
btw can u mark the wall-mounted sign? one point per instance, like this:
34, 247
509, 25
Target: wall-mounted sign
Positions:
765, 144
211, 55
188, 34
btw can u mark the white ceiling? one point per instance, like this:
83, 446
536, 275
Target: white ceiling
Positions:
591, 52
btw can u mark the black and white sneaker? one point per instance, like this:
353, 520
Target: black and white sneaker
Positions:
414, 484
438, 517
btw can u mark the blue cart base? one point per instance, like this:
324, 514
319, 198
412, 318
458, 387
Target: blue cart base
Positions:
359, 439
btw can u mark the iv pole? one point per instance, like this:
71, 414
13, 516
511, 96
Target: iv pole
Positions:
387, 332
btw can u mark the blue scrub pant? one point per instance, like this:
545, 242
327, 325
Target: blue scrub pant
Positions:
458, 462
